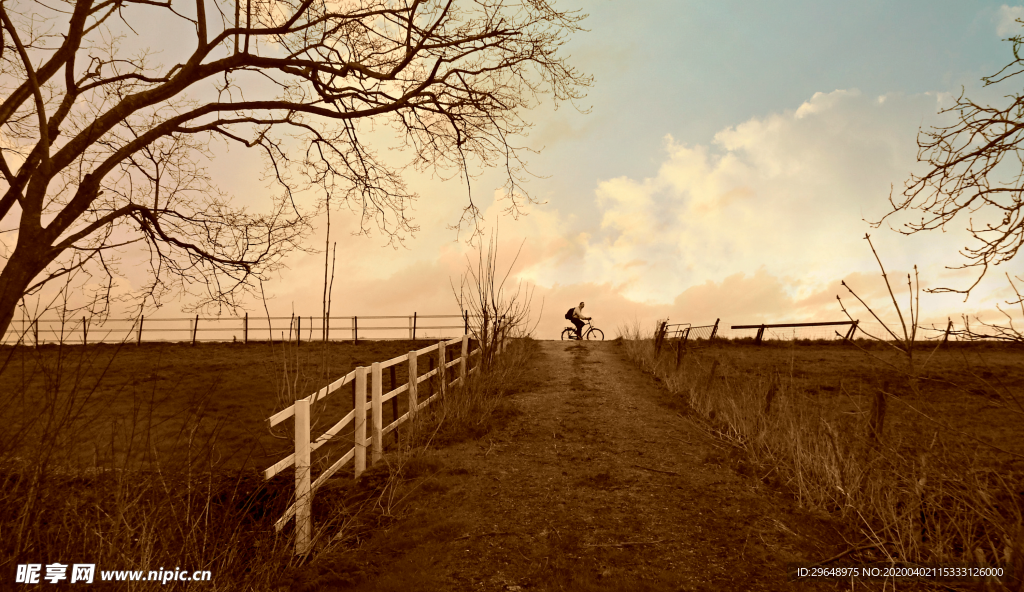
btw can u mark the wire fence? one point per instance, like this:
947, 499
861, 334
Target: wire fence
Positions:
243, 329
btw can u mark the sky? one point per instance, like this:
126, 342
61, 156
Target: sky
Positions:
724, 165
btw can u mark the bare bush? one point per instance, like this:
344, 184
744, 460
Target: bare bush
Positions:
498, 313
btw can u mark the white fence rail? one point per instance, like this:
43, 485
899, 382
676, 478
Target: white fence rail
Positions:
305, 445
27, 331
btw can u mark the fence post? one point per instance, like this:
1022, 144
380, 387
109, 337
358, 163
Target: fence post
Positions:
760, 333
465, 316
394, 400
464, 359
679, 353
659, 337
433, 379
298, 330
35, 332
360, 419
195, 328
414, 326
245, 329
376, 410
142, 319
355, 330
303, 498
441, 363
85, 332
413, 385
713, 332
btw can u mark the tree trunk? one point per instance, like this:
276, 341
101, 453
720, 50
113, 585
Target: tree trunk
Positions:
26, 262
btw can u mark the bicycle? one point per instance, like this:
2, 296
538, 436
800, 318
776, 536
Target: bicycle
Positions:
591, 333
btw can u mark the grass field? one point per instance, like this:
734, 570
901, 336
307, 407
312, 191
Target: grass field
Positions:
140, 457
174, 404
923, 470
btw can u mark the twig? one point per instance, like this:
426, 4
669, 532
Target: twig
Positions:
631, 543
658, 470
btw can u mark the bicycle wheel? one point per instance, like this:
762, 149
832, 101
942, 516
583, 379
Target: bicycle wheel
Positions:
568, 333
595, 333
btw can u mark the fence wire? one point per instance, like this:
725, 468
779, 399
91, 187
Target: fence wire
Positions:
42, 331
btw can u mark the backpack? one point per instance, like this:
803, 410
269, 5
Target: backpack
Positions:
568, 315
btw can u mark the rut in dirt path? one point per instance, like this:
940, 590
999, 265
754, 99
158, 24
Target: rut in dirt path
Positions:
597, 485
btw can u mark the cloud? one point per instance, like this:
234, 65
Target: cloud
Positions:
787, 192
1007, 20
759, 226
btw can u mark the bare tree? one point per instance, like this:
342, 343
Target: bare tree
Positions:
101, 147
974, 169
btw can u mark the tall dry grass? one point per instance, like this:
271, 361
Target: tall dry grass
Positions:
932, 502
108, 507
484, 402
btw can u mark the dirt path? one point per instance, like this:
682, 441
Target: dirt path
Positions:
598, 485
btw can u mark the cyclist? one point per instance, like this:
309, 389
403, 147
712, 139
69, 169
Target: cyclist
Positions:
577, 319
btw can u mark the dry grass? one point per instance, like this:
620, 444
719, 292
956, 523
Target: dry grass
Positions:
939, 480
360, 540
145, 457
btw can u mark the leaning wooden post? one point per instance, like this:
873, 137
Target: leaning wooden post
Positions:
142, 318
376, 410
711, 376
414, 326
714, 332
945, 337
360, 419
303, 498
442, 366
413, 386
659, 336
465, 317
195, 329
464, 359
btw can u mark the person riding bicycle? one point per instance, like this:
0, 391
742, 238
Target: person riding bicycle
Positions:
577, 319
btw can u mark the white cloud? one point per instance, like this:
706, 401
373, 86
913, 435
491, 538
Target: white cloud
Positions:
787, 192
1007, 17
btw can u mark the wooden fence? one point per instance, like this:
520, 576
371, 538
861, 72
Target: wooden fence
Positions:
242, 329
760, 328
363, 378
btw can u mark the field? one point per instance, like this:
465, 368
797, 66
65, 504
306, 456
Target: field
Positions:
176, 405
929, 469
974, 390
141, 456
137, 457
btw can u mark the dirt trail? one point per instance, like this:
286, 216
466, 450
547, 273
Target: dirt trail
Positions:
598, 485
